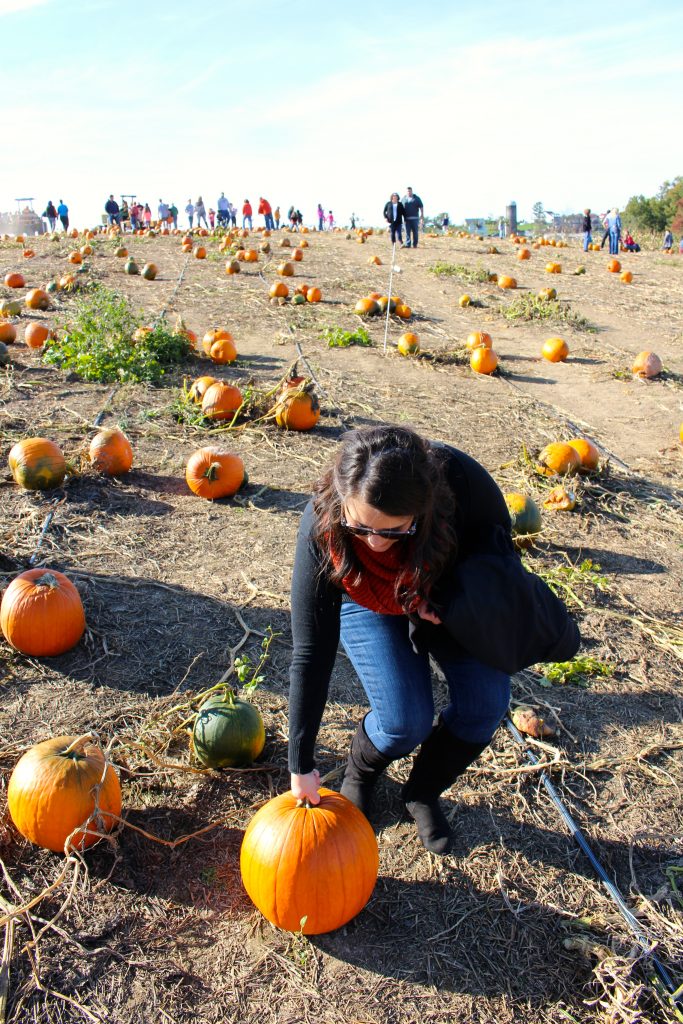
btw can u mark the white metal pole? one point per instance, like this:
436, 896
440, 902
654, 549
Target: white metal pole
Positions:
391, 278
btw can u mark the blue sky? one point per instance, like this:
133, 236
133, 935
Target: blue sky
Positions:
471, 104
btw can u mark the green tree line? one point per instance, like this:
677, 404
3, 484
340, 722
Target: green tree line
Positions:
658, 212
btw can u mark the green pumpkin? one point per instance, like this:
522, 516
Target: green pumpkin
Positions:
10, 307
299, 300
227, 733
524, 514
131, 267
51, 287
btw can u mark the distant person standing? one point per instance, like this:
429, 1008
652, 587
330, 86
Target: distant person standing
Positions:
587, 227
321, 217
266, 210
247, 213
50, 214
189, 210
233, 215
445, 223
353, 220
212, 218
414, 216
173, 214
135, 212
668, 240
330, 221
162, 210
200, 212
147, 216
223, 208
501, 228
124, 215
276, 215
394, 215
291, 217
63, 214
614, 226
605, 225
111, 208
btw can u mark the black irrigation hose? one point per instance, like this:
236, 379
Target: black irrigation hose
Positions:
644, 942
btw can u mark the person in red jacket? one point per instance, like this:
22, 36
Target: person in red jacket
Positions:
266, 209
247, 214
405, 553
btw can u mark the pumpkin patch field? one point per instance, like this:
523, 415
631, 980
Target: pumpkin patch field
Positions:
160, 432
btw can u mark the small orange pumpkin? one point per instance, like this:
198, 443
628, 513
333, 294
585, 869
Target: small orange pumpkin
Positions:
111, 452
614, 266
232, 267
588, 453
408, 344
558, 458
647, 364
524, 254
298, 407
198, 388
8, 333
626, 276
278, 290
212, 473
478, 338
221, 401
506, 282
314, 295
41, 614
483, 360
35, 334
286, 270
200, 252
366, 307
223, 350
37, 299
75, 257
15, 280
555, 350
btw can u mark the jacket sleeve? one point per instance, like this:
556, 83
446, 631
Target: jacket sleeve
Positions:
315, 631
502, 614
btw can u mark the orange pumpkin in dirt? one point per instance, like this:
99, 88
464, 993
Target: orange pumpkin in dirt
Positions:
560, 499
588, 453
37, 464
213, 473
42, 613
483, 360
241, 255
187, 247
404, 312
298, 255
647, 364
37, 299
221, 401
232, 267
86, 250
478, 338
199, 387
223, 351
524, 254
547, 294
111, 452
278, 290
35, 334
314, 295
51, 793
408, 344
626, 276
559, 459
614, 266
28, 254
8, 333
506, 282
555, 350
75, 257
200, 252
553, 268
375, 261
15, 280
366, 307
286, 270
251, 256
215, 334
298, 407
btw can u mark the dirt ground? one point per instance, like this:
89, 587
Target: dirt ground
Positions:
514, 925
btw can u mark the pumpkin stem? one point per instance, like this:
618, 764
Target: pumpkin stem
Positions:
47, 580
305, 802
80, 743
212, 471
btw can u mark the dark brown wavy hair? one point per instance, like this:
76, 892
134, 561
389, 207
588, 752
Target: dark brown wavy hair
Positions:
399, 473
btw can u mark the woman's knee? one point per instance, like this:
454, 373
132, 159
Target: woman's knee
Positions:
401, 736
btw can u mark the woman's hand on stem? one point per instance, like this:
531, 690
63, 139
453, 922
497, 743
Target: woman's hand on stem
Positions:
305, 787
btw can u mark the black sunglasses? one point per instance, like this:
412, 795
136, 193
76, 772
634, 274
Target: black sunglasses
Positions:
367, 531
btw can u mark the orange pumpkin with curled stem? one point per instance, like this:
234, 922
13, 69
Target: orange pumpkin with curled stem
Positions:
60, 785
111, 452
309, 868
297, 407
41, 614
221, 401
213, 473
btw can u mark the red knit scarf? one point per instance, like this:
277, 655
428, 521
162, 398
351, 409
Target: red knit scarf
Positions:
373, 584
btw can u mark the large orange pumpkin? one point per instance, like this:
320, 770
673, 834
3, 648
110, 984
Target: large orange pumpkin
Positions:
309, 868
555, 350
232, 267
278, 290
37, 464
223, 350
36, 334
366, 307
286, 270
588, 453
59, 785
506, 282
558, 458
314, 295
37, 299
15, 280
298, 407
8, 333
200, 252
614, 266
111, 452
75, 257
213, 473
42, 613
221, 401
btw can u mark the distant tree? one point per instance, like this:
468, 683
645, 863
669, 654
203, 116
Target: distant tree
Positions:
434, 221
657, 212
539, 214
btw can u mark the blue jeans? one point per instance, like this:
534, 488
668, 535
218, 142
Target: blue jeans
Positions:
244, 222
270, 226
587, 239
411, 231
398, 684
614, 242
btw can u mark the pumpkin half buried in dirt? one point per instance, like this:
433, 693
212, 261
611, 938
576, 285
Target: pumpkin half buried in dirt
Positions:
227, 732
52, 792
309, 868
525, 515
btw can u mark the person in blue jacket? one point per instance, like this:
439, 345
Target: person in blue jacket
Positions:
414, 216
404, 553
